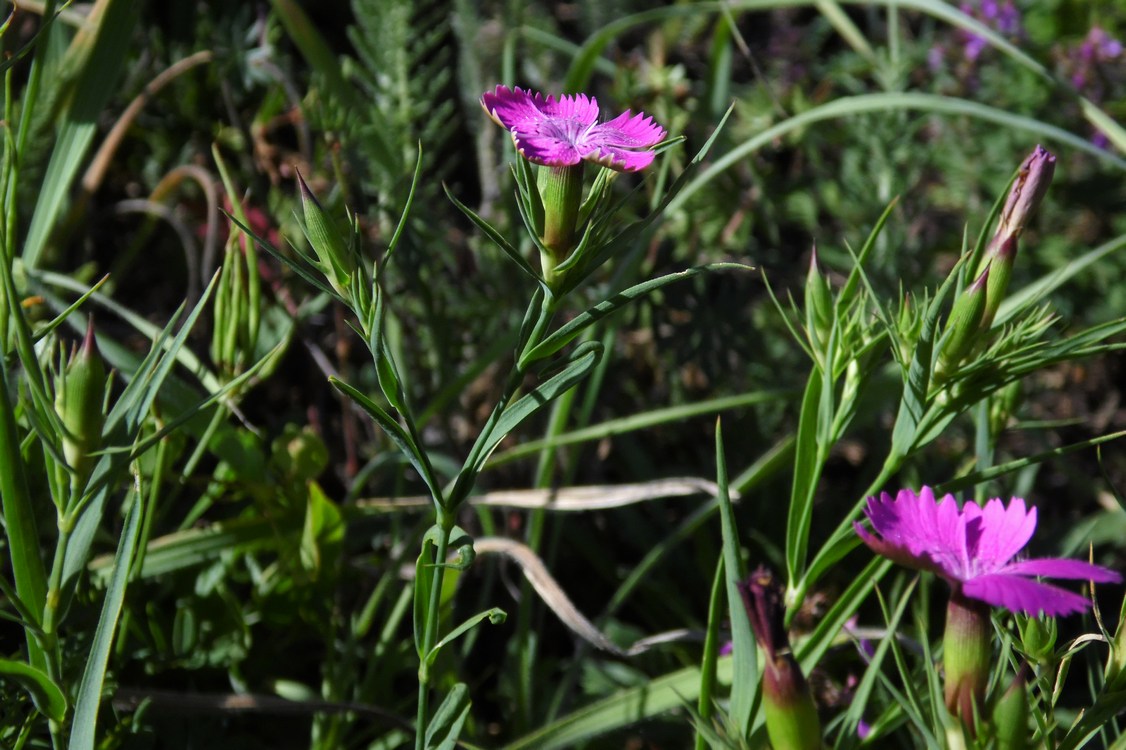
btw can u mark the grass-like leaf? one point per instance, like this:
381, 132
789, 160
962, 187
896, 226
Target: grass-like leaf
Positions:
83, 727
574, 327
582, 360
744, 686
398, 435
99, 56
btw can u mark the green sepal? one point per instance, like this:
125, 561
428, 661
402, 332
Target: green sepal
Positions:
819, 309
964, 324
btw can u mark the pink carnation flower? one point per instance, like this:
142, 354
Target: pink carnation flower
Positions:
973, 549
564, 132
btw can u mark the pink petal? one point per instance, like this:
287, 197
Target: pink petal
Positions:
951, 529
1054, 567
515, 108
896, 552
563, 132
1023, 595
623, 143
544, 130
1004, 532
579, 108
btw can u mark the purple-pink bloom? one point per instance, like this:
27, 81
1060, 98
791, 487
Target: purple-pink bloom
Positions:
565, 132
973, 548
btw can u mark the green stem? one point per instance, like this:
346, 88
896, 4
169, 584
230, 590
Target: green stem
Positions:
54, 597
430, 631
892, 464
468, 476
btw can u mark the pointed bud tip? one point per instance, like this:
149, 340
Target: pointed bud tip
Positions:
303, 187
981, 282
89, 342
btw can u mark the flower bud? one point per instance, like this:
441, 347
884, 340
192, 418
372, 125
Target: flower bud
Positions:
338, 260
1025, 195
1038, 638
963, 325
791, 717
818, 305
1028, 190
1010, 715
80, 391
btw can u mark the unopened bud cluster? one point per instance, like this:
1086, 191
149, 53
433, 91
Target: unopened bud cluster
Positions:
973, 312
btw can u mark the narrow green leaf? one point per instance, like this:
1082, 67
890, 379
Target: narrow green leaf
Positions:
705, 705
398, 233
83, 729
812, 649
96, 82
849, 106
20, 529
1035, 292
621, 709
574, 327
303, 267
640, 421
585, 356
45, 694
806, 472
445, 727
498, 239
1091, 722
424, 570
495, 616
744, 685
873, 670
198, 546
395, 431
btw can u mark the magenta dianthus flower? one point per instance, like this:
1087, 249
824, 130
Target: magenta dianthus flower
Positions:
565, 132
973, 548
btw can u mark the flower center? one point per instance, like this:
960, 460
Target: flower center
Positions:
568, 130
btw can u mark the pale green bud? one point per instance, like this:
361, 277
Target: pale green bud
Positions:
1038, 638
818, 305
1010, 715
964, 324
338, 259
80, 392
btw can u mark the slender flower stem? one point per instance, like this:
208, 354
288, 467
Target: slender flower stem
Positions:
430, 630
796, 594
446, 516
464, 484
50, 638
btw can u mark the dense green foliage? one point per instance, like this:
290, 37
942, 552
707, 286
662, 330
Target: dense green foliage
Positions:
213, 516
